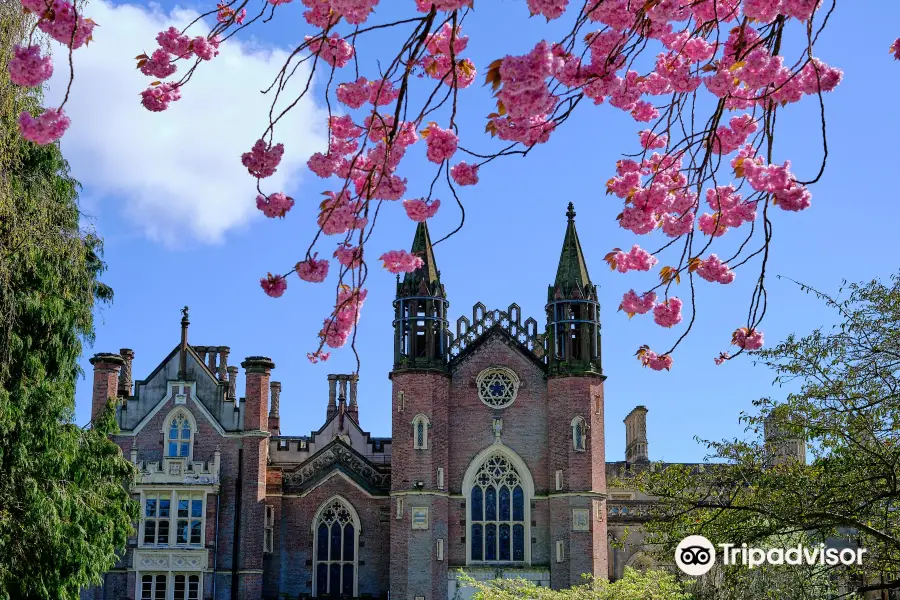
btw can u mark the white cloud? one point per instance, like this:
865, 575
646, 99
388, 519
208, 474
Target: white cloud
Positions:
176, 173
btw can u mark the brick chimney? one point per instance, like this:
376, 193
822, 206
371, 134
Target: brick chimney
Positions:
353, 407
125, 377
274, 420
106, 380
332, 398
256, 372
224, 351
636, 436
231, 395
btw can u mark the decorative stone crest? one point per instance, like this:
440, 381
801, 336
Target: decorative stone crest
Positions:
337, 454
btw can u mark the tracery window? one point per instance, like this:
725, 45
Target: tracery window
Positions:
336, 543
579, 434
179, 436
497, 386
497, 513
420, 432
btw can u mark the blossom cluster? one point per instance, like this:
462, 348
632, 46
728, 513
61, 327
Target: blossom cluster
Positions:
61, 21
700, 46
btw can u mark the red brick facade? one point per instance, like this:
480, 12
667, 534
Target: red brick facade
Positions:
495, 462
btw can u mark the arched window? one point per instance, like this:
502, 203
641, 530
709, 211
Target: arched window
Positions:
336, 540
179, 436
499, 504
579, 434
420, 432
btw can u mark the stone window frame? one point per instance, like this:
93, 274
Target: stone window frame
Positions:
527, 483
579, 422
493, 372
354, 519
269, 530
420, 427
174, 495
169, 585
166, 431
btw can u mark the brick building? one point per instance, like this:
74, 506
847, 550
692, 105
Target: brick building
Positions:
495, 462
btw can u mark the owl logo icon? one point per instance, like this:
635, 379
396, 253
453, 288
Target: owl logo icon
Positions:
695, 555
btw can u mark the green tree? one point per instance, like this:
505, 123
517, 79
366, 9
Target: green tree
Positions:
846, 404
65, 512
634, 585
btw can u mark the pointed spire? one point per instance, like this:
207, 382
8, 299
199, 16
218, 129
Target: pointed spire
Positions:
572, 271
421, 247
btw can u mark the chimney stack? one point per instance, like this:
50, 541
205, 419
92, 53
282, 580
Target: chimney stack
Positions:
353, 407
274, 419
106, 380
332, 397
257, 370
232, 384
213, 352
224, 351
125, 377
636, 436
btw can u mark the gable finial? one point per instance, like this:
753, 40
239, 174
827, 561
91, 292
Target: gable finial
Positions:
571, 212
182, 357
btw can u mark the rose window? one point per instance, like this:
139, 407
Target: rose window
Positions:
497, 387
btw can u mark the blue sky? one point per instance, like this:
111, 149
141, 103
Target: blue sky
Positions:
186, 237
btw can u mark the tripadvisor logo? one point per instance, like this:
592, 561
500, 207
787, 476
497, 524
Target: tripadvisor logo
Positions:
695, 555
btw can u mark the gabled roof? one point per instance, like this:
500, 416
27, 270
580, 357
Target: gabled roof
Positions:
338, 456
496, 331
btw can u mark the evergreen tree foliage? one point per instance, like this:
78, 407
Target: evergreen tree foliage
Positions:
65, 513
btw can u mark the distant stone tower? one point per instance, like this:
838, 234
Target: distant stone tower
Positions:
575, 415
783, 445
636, 436
421, 390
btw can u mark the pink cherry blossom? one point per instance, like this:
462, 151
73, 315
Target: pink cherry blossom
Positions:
655, 361
552, 9
349, 256
895, 49
444, 5
633, 304
65, 27
713, 269
421, 209
668, 313
721, 358
226, 13
262, 160
354, 94
400, 261
342, 127
651, 141
274, 205
334, 50
382, 92
636, 259
28, 68
273, 285
748, 339
174, 42
464, 174
315, 357
205, 49
158, 65
441, 143
48, 127
312, 270
157, 98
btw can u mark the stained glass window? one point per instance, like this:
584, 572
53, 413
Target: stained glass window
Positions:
336, 546
497, 513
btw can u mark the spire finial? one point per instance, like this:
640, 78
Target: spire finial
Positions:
571, 212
